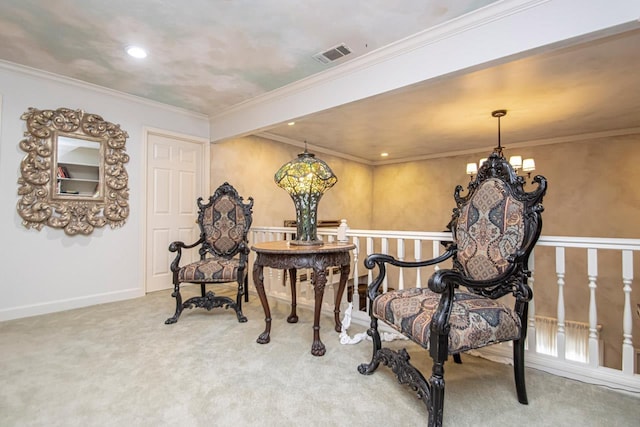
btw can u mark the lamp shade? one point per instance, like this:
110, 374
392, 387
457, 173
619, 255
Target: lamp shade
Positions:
472, 168
306, 179
528, 165
516, 162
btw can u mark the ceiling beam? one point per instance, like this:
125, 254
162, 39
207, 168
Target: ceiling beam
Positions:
505, 29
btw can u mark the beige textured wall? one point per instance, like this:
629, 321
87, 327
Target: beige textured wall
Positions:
416, 195
250, 163
593, 189
593, 192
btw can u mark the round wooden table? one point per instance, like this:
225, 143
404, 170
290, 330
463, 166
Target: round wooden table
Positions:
283, 255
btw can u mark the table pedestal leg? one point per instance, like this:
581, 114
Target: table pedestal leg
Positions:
293, 317
258, 280
319, 282
344, 275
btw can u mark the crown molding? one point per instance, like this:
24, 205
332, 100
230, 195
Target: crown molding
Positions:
315, 148
533, 143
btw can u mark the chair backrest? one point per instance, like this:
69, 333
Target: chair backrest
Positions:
224, 222
496, 225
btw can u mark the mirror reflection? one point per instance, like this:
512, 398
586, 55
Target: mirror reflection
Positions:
78, 168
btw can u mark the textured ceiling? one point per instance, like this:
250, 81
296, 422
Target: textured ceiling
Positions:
208, 56
205, 55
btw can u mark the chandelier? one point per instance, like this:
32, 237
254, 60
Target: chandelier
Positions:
517, 163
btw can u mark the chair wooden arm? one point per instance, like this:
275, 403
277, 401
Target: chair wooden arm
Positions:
177, 246
381, 259
513, 280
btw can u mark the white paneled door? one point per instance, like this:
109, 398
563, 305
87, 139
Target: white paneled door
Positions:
175, 179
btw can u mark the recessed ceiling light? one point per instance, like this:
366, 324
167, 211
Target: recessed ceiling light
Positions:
291, 123
136, 52
384, 154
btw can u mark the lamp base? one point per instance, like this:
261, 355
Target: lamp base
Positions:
306, 242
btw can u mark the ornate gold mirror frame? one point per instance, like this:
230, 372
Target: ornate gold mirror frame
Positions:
61, 191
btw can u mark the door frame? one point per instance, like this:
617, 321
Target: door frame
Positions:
205, 179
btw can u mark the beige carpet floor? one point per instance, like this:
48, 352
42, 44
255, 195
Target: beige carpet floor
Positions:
118, 364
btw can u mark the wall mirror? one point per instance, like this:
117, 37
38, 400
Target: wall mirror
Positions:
79, 168
73, 175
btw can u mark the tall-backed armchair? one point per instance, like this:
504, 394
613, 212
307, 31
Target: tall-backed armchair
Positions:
224, 252
494, 228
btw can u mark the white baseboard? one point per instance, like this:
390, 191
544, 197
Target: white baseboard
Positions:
68, 304
607, 377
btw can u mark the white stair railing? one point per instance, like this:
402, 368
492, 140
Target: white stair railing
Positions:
591, 370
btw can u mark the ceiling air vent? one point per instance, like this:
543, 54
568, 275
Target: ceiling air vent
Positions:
332, 54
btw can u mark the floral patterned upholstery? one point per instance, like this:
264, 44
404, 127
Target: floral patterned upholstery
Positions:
224, 225
475, 321
490, 228
210, 270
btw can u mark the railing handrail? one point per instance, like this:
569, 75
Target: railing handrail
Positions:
590, 242
565, 241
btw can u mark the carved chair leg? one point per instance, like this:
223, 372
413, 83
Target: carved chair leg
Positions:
178, 297
457, 358
518, 370
369, 368
439, 352
246, 288
203, 290
437, 394
241, 317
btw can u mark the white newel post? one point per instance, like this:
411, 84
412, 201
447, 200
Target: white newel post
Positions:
342, 231
356, 271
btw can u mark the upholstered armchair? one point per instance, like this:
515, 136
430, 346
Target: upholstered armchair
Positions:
494, 228
223, 248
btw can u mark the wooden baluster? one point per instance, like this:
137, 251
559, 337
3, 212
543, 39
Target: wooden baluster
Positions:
400, 246
627, 344
417, 255
560, 269
385, 250
436, 252
531, 321
592, 272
